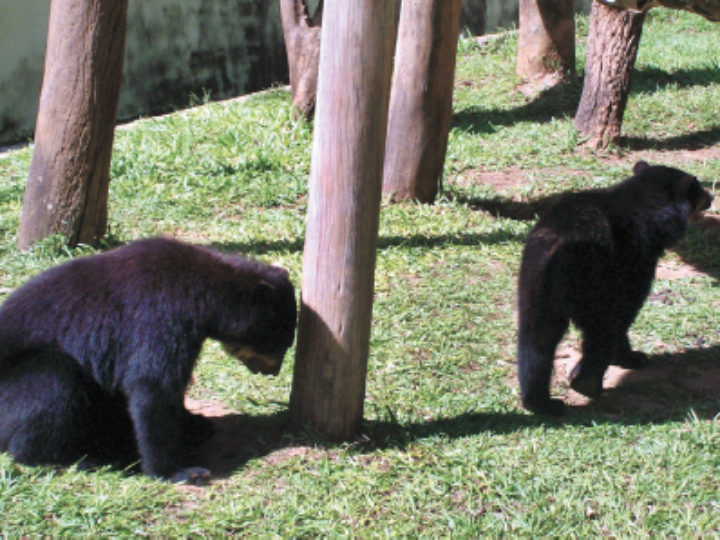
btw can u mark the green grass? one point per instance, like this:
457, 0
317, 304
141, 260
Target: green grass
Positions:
445, 448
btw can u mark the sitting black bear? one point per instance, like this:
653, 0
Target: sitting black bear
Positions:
96, 354
591, 260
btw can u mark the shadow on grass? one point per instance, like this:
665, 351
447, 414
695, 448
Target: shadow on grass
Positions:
665, 391
384, 242
560, 100
507, 208
697, 140
648, 79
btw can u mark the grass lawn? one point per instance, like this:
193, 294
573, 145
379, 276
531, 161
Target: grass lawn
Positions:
445, 448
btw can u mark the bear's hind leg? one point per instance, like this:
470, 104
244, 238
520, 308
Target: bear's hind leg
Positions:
536, 353
46, 409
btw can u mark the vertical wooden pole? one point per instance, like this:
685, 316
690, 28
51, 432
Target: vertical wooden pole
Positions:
421, 99
357, 44
612, 45
302, 44
67, 186
546, 38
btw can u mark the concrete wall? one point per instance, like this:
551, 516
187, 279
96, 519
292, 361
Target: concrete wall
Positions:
175, 48
23, 27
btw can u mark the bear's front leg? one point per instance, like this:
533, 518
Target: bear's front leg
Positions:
159, 419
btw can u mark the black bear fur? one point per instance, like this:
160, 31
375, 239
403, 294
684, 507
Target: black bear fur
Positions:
591, 260
96, 353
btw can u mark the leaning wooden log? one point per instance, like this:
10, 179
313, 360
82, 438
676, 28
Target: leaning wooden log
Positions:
710, 9
67, 186
302, 44
613, 40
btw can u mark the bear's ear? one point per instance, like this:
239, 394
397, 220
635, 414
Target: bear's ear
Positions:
639, 167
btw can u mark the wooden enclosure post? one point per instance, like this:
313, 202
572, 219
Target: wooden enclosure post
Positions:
67, 185
421, 99
302, 44
328, 389
613, 41
546, 38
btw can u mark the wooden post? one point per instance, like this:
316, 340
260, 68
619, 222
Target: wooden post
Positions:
302, 44
67, 186
328, 390
421, 99
613, 42
546, 39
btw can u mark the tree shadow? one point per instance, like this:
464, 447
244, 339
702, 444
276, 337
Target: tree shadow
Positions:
563, 99
384, 242
557, 101
650, 79
697, 140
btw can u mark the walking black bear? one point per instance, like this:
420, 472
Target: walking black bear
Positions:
96, 354
591, 260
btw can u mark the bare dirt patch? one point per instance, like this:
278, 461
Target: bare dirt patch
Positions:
207, 407
669, 271
670, 384
237, 437
512, 177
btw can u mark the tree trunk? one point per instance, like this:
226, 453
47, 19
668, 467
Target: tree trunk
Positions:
613, 40
342, 218
302, 43
67, 186
546, 39
421, 99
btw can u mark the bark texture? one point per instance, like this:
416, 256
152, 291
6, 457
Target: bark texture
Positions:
546, 39
613, 40
421, 99
328, 388
302, 43
67, 186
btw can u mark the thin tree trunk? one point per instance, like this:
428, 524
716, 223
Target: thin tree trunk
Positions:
342, 218
302, 43
67, 186
421, 98
546, 39
613, 41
